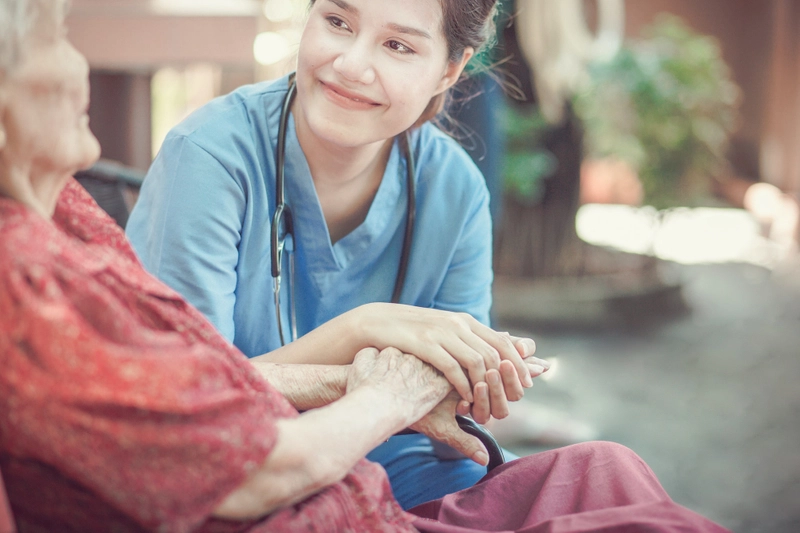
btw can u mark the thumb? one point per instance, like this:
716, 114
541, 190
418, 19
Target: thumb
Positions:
467, 444
445, 429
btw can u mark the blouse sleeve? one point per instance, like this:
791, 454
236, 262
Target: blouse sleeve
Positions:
186, 228
159, 427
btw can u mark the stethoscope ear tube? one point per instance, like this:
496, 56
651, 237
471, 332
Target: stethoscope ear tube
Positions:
283, 225
411, 215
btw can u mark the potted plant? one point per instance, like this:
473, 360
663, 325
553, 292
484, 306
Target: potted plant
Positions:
665, 105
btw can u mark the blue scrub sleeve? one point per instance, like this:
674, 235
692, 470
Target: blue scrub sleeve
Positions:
467, 285
186, 228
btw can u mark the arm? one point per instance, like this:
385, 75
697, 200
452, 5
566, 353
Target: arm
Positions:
385, 392
299, 466
451, 342
305, 386
186, 227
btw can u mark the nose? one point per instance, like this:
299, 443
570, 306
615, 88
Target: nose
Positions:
354, 63
78, 62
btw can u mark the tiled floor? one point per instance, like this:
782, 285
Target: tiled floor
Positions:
711, 400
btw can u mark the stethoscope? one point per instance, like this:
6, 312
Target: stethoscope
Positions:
282, 236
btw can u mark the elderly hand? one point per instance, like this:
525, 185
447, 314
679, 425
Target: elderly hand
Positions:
459, 346
413, 386
440, 424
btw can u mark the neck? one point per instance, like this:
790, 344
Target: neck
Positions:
346, 179
39, 193
333, 165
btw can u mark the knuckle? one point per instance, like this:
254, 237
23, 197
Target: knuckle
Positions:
474, 364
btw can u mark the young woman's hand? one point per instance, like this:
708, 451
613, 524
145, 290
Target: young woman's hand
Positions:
459, 346
492, 397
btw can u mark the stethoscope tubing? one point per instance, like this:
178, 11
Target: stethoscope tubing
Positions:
283, 219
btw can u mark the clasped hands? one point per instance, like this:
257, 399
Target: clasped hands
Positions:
487, 368
471, 369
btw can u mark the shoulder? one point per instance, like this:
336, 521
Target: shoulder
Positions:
442, 163
30, 246
242, 117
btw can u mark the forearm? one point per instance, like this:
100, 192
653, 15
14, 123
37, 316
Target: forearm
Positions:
316, 450
335, 342
306, 386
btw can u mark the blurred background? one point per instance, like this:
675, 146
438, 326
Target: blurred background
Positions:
644, 164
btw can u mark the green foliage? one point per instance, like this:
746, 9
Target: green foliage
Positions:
525, 165
666, 105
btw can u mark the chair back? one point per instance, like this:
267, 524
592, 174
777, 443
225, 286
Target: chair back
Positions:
113, 186
6, 521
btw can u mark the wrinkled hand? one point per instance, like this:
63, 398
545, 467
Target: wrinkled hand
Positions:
413, 386
440, 424
459, 346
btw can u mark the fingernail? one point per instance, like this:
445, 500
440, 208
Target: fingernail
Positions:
481, 458
537, 369
470, 398
528, 381
492, 378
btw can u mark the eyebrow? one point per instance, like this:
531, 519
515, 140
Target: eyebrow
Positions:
399, 28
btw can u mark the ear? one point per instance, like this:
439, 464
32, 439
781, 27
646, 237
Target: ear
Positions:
454, 70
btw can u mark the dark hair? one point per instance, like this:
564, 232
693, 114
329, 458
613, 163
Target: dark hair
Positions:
465, 23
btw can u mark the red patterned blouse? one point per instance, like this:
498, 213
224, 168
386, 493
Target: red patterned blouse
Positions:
121, 408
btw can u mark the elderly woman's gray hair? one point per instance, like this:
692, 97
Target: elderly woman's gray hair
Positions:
18, 19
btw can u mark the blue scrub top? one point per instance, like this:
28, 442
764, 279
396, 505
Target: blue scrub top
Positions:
202, 225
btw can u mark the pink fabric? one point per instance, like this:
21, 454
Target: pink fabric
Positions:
6, 523
591, 487
121, 409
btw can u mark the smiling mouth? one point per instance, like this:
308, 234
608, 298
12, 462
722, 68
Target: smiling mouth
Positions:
348, 99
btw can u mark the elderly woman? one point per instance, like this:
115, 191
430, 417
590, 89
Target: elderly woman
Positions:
122, 409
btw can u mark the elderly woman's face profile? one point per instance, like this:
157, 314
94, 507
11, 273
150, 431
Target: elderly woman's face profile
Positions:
45, 103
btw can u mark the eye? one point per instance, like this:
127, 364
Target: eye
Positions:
400, 48
337, 23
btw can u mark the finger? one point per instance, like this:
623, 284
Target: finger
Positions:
505, 347
525, 347
511, 384
535, 360
469, 445
439, 358
463, 408
481, 410
469, 359
497, 394
487, 352
536, 369
366, 353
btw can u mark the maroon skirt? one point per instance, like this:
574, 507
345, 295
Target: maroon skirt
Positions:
597, 486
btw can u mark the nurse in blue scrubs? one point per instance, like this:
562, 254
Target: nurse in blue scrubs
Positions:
367, 71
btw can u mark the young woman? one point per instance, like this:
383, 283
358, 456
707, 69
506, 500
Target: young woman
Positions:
381, 201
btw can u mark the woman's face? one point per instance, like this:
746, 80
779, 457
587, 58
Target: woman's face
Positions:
367, 69
43, 109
